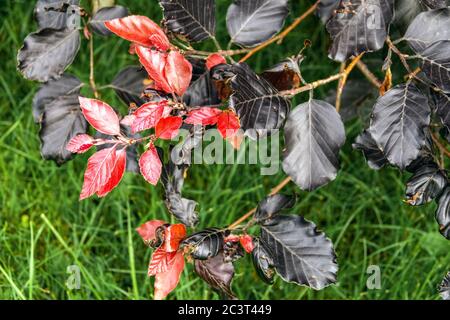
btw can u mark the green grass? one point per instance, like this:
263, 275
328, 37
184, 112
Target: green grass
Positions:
44, 228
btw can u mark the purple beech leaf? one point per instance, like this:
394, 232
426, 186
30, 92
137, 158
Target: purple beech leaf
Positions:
97, 23
372, 152
57, 14
300, 253
47, 53
67, 85
272, 205
205, 244
62, 120
194, 20
258, 104
250, 23
359, 26
427, 28
444, 288
426, 184
314, 134
172, 179
129, 85
443, 213
326, 9
398, 123
217, 273
263, 261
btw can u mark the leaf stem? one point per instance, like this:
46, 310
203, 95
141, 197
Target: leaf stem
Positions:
279, 38
440, 146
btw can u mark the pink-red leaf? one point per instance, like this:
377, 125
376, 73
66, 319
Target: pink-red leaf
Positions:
178, 72
228, 124
116, 173
247, 243
147, 231
204, 116
151, 165
168, 128
101, 116
80, 143
98, 172
154, 63
161, 260
214, 60
141, 30
166, 281
173, 235
148, 116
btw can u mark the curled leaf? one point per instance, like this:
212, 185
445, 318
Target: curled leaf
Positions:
217, 273
426, 184
263, 261
443, 213
205, 244
272, 205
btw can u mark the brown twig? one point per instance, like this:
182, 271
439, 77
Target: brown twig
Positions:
440, 146
274, 191
225, 53
278, 38
340, 88
368, 74
91, 67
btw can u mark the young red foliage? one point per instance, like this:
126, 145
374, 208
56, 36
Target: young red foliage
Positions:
214, 60
80, 143
117, 172
98, 172
247, 243
151, 165
178, 72
168, 128
154, 63
228, 124
141, 30
204, 116
148, 116
100, 115
173, 235
167, 281
160, 262
147, 230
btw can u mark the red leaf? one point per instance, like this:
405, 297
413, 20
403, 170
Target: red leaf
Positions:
232, 238
98, 171
168, 128
80, 143
178, 72
214, 60
154, 63
147, 231
173, 235
148, 116
141, 30
161, 260
166, 281
101, 116
127, 120
247, 243
228, 124
116, 174
151, 165
203, 116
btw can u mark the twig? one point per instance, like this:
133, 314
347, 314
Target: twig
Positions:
274, 191
278, 38
440, 146
340, 88
91, 67
368, 74
311, 86
225, 53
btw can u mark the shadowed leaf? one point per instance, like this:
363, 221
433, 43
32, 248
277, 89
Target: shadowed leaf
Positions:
314, 134
97, 23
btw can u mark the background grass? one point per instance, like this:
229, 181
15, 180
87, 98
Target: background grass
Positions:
44, 228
